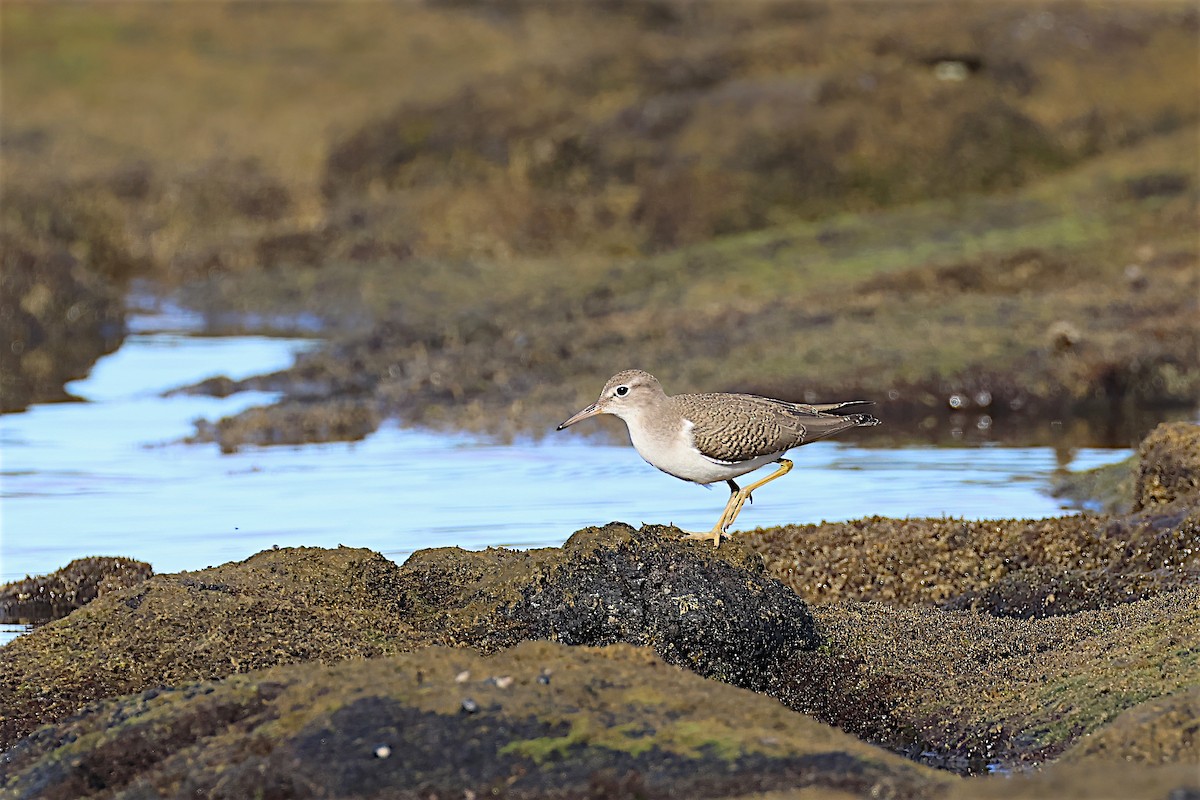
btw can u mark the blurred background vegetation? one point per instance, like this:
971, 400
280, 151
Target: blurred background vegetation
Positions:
977, 214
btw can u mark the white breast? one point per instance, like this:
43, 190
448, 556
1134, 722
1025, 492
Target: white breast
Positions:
674, 452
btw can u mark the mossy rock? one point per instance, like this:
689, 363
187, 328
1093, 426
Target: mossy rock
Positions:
972, 692
537, 720
1170, 466
1165, 730
961, 689
714, 611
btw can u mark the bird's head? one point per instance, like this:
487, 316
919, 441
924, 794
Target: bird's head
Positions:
625, 395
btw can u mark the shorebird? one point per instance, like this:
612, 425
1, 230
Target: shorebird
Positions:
705, 438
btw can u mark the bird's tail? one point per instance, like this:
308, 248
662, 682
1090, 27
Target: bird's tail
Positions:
825, 424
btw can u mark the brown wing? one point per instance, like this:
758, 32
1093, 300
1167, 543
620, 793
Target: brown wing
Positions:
739, 427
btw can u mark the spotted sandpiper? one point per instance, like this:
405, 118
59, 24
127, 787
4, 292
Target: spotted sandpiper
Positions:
705, 438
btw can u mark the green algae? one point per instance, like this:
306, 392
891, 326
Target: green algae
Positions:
692, 737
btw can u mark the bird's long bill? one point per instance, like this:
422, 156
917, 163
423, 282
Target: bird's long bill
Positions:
590, 411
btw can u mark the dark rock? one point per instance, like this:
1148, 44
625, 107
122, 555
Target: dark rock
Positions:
721, 618
1158, 184
35, 601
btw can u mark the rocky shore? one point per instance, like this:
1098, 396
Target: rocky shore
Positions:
879, 658
980, 216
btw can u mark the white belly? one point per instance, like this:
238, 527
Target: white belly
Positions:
675, 455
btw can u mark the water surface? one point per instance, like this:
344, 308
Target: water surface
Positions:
108, 477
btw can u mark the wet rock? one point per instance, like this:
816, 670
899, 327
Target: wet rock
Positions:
34, 601
714, 611
217, 386
697, 608
617, 722
1170, 466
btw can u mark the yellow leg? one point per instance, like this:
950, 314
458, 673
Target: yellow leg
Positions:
718, 529
738, 500
734, 506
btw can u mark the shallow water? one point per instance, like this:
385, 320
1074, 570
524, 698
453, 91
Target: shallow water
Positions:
107, 477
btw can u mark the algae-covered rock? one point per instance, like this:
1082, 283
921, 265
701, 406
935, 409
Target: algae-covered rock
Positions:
969, 691
1170, 466
1009, 567
291, 423
281, 606
58, 313
714, 611
1021, 568
1165, 730
37, 600
1001, 642
537, 720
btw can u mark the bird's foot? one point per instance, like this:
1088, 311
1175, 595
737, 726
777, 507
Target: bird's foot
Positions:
715, 535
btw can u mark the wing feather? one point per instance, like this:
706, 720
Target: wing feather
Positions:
732, 428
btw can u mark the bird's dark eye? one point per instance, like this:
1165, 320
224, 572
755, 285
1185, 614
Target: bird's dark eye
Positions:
622, 391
